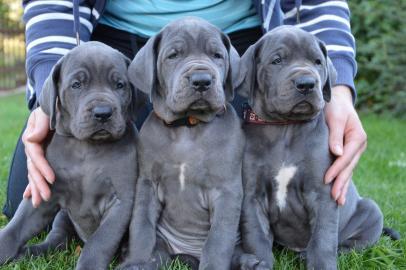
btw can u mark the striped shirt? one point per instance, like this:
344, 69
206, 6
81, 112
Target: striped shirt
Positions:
53, 27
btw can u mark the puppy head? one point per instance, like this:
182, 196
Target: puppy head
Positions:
188, 69
87, 95
287, 75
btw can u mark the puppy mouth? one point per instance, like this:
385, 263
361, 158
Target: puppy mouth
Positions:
200, 105
303, 107
101, 134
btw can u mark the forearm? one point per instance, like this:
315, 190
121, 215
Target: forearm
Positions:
49, 35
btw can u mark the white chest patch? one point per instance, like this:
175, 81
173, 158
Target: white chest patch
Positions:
182, 169
283, 178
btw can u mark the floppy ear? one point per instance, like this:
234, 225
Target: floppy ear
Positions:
330, 73
142, 70
135, 102
50, 93
234, 78
247, 73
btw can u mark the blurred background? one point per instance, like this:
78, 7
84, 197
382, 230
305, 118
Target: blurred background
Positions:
12, 51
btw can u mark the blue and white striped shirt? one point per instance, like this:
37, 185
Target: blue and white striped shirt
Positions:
51, 31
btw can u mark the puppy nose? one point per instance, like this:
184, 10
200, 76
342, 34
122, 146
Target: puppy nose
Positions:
305, 84
200, 81
102, 113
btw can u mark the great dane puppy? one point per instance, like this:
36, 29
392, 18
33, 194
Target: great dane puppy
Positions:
189, 190
288, 80
93, 153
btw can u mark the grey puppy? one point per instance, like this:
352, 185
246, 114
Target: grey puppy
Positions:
288, 80
189, 191
88, 98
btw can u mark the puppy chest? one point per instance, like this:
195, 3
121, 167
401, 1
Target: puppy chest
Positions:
287, 213
87, 192
179, 191
184, 222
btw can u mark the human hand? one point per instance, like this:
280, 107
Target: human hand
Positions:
347, 141
39, 170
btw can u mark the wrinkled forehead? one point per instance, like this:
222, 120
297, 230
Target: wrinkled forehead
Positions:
94, 58
194, 34
291, 41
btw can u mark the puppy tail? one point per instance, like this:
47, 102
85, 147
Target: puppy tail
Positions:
394, 235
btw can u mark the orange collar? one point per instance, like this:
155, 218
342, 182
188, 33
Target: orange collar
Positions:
188, 121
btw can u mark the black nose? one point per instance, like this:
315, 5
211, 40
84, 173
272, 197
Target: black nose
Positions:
200, 81
102, 113
305, 84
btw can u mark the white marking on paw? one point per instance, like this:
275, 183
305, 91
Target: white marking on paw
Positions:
283, 178
182, 176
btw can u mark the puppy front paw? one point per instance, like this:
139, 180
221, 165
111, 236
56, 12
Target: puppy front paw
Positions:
252, 262
320, 263
9, 249
138, 266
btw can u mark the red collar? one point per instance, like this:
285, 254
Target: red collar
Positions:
251, 118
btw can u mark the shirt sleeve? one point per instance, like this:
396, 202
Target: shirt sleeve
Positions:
330, 22
49, 34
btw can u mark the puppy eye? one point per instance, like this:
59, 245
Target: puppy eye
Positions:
76, 85
218, 55
173, 55
317, 62
277, 60
120, 85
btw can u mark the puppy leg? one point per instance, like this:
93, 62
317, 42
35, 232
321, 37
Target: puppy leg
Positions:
159, 259
321, 251
143, 236
101, 247
225, 215
62, 232
257, 237
245, 261
26, 223
364, 228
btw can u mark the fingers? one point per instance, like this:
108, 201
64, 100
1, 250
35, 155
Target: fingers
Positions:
352, 150
36, 154
340, 186
342, 198
39, 170
40, 126
33, 138
336, 136
27, 192
347, 141
38, 181
35, 198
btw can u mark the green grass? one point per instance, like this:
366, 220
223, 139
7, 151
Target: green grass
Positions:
380, 175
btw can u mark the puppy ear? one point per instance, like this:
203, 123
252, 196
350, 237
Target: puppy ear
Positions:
247, 73
143, 69
135, 101
50, 93
126, 60
234, 78
330, 73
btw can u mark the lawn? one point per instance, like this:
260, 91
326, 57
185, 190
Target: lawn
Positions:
380, 175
